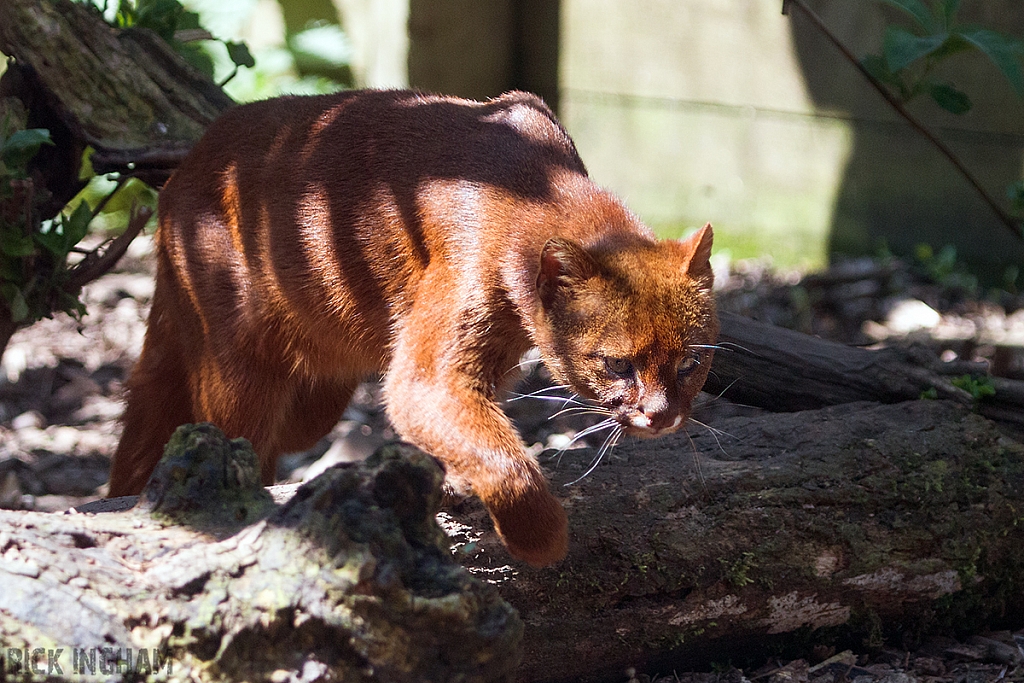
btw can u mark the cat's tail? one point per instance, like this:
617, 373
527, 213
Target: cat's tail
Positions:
158, 397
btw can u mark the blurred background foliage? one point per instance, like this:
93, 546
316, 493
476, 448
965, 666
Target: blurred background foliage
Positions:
302, 48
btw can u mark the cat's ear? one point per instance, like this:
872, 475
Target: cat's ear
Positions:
562, 263
697, 257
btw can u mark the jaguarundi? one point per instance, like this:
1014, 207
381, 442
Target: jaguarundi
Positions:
306, 243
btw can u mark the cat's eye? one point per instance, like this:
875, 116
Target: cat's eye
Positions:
688, 364
619, 366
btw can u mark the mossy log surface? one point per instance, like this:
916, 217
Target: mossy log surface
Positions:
847, 525
350, 580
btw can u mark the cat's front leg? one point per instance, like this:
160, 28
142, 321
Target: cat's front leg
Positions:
438, 401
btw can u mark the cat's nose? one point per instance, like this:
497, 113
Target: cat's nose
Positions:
659, 422
660, 419
640, 421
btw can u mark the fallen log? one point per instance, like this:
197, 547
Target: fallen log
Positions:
350, 580
843, 526
784, 370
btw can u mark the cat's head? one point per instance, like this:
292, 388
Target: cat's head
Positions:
630, 327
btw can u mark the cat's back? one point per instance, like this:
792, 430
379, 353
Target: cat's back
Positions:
366, 141
332, 209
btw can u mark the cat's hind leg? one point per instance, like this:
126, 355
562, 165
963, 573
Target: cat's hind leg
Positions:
158, 401
315, 407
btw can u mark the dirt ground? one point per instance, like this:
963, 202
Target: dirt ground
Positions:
61, 383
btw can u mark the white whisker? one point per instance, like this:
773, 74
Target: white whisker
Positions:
524, 363
581, 410
715, 433
722, 393
696, 465
541, 394
714, 430
599, 427
556, 399
553, 387
543, 390
725, 346
609, 443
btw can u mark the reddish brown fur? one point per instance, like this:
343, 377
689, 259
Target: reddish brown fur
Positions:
307, 242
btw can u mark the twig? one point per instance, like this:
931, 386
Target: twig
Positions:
1011, 223
96, 264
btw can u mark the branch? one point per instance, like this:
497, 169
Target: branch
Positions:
96, 264
1012, 224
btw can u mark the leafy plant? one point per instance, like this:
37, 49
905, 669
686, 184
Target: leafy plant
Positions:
737, 573
909, 57
42, 268
944, 269
31, 256
178, 26
892, 73
977, 387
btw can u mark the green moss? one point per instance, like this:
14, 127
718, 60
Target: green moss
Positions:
737, 571
207, 481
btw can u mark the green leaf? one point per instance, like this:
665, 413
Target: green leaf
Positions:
950, 99
917, 10
133, 193
85, 170
1003, 51
954, 44
879, 70
160, 16
239, 54
978, 388
54, 242
77, 225
902, 48
1015, 193
10, 270
23, 145
196, 56
188, 20
948, 9
71, 305
31, 138
125, 14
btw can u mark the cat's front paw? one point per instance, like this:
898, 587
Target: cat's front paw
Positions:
534, 528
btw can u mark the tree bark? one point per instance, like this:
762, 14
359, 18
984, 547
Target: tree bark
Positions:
783, 370
350, 580
125, 93
850, 525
